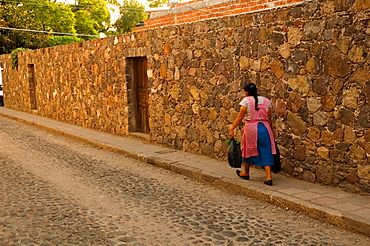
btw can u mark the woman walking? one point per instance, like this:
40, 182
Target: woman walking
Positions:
258, 142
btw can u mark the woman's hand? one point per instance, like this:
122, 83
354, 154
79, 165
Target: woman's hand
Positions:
238, 120
231, 132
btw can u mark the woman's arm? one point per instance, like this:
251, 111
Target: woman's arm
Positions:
238, 120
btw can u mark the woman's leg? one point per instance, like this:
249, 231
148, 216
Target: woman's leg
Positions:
246, 169
268, 173
245, 174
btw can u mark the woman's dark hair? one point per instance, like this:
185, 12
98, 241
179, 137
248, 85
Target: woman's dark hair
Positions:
251, 88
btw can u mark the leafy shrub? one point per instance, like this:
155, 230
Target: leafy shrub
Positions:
60, 40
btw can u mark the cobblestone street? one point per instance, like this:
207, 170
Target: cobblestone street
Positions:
58, 191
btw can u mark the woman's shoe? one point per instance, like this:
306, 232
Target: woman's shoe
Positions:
243, 177
268, 182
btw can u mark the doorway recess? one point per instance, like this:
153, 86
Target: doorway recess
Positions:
137, 79
32, 86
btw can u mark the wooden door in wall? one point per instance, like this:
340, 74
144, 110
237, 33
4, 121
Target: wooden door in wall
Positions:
32, 86
140, 94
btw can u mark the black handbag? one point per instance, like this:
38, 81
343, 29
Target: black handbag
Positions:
277, 164
235, 154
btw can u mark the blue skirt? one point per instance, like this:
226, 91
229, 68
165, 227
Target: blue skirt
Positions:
265, 157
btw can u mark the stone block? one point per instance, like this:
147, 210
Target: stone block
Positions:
327, 138
346, 116
361, 5
343, 146
312, 29
367, 135
294, 102
334, 64
299, 84
167, 48
328, 7
311, 148
364, 186
192, 71
350, 98
349, 135
277, 37
244, 63
324, 174
351, 177
284, 50
311, 65
277, 68
360, 77
294, 36
320, 85
357, 153
263, 35
364, 172
291, 67
320, 118
219, 145
342, 5
314, 134
255, 65
195, 93
357, 54
264, 63
300, 153
232, 116
338, 134
297, 125
213, 114
313, 104
336, 87
323, 152
328, 103
311, 8
308, 176
163, 71
280, 108
343, 45
364, 144
364, 117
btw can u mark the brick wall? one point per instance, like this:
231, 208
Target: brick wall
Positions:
200, 10
312, 59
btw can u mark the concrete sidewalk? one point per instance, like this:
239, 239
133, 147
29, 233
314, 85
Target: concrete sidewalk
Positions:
333, 205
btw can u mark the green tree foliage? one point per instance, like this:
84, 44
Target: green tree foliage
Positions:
53, 16
19, 17
92, 16
84, 24
131, 14
157, 3
89, 17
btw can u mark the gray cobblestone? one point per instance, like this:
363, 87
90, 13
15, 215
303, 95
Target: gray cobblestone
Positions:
60, 192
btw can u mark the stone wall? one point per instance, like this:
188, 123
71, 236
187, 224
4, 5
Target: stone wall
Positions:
82, 83
311, 59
